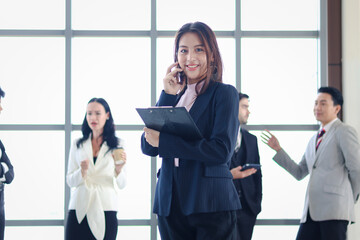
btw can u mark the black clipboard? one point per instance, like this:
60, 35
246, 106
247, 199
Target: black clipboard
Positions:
174, 120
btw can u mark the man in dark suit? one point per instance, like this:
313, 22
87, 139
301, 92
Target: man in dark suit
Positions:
247, 182
6, 176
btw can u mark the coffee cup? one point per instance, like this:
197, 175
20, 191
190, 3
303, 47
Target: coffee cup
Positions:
117, 153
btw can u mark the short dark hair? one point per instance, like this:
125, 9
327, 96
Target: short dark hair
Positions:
335, 94
243, 95
2, 93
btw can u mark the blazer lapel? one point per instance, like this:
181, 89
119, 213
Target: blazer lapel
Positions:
328, 135
102, 152
202, 102
244, 137
88, 150
179, 96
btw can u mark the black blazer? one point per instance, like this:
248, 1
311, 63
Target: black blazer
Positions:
203, 180
9, 175
250, 188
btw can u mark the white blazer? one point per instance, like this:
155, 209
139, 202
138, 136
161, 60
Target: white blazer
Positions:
98, 191
334, 183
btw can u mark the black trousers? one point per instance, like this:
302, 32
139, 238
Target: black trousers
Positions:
76, 231
2, 213
322, 230
245, 222
2, 222
199, 226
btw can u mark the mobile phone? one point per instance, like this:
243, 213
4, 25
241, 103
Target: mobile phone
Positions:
180, 75
250, 165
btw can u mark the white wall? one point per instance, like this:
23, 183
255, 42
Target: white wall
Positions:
351, 79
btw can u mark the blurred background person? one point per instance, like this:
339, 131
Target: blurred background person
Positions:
95, 172
6, 176
332, 159
248, 183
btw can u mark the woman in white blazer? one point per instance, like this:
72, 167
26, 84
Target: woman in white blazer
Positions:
94, 177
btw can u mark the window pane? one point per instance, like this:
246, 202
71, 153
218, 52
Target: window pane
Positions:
111, 15
31, 232
132, 232
281, 78
283, 195
32, 75
117, 69
227, 51
276, 232
171, 15
37, 191
165, 57
35, 14
135, 198
280, 14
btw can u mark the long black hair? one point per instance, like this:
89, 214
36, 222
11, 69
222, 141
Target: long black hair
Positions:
108, 134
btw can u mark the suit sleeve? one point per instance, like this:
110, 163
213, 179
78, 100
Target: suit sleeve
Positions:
218, 143
6, 168
121, 178
164, 100
298, 171
350, 148
73, 177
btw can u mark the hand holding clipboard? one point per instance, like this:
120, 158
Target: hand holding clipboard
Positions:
173, 120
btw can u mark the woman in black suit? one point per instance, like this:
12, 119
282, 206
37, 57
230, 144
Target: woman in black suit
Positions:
6, 176
195, 197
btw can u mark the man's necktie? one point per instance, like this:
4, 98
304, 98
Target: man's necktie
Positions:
320, 138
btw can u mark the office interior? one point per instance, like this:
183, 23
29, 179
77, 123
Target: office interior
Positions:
56, 55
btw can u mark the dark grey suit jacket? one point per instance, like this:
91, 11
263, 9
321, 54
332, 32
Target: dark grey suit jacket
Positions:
249, 188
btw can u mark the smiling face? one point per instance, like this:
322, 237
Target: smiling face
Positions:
192, 57
324, 109
96, 116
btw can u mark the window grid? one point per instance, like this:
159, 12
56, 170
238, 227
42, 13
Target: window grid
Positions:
237, 34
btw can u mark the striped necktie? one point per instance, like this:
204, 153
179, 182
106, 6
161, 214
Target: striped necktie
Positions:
320, 138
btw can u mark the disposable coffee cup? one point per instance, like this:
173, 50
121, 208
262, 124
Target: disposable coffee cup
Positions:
118, 156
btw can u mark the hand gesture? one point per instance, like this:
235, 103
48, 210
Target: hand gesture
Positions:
171, 82
84, 164
237, 173
270, 140
152, 136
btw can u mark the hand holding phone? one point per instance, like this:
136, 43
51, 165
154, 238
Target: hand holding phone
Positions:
171, 80
179, 75
250, 165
